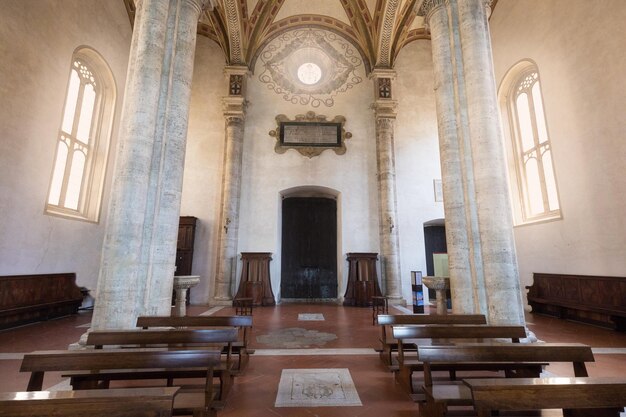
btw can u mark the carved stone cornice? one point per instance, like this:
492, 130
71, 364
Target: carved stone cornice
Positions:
238, 74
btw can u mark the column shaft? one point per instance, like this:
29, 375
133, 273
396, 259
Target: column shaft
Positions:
139, 248
390, 247
231, 192
494, 217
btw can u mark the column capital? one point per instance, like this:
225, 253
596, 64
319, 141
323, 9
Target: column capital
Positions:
202, 4
426, 7
385, 109
234, 107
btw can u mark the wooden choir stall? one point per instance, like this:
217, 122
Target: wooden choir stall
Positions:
362, 280
255, 280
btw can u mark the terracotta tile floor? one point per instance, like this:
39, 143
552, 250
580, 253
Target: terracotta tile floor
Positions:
255, 392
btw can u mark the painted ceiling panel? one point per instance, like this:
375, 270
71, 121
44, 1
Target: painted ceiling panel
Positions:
251, 5
371, 5
418, 23
330, 8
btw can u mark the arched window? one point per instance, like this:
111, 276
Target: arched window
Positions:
530, 149
83, 139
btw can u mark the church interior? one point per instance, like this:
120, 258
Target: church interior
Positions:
308, 163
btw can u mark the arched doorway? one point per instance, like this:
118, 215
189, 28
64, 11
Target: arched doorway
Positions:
309, 248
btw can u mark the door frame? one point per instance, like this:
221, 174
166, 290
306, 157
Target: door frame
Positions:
310, 191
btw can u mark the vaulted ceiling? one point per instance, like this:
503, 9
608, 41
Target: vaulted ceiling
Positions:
377, 28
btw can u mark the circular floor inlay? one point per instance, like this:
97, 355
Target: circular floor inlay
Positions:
295, 338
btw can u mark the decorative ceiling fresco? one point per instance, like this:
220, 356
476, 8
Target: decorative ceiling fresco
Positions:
377, 29
310, 66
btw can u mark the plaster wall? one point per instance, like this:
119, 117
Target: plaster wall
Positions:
417, 155
37, 39
577, 48
204, 161
319, 7
266, 174
350, 177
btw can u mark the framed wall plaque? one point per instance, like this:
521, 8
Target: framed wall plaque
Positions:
310, 134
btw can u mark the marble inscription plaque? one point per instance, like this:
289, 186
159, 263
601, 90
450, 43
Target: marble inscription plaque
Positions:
310, 134
316, 388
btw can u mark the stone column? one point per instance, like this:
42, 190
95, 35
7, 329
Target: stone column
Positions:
462, 235
137, 265
483, 267
234, 114
385, 113
495, 215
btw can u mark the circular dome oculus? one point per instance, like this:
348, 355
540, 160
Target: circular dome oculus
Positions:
309, 73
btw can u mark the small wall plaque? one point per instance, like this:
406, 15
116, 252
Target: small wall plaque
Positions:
310, 134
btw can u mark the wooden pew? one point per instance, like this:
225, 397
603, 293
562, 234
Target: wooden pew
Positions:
452, 333
129, 402
589, 397
30, 298
97, 368
175, 338
390, 345
240, 348
516, 359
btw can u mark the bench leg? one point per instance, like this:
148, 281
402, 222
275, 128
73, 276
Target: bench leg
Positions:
404, 377
432, 409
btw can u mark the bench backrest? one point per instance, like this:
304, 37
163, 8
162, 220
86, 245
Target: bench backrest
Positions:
575, 353
387, 320
421, 319
459, 331
157, 337
194, 321
135, 402
541, 393
95, 360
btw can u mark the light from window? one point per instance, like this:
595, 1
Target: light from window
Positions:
83, 140
533, 153
309, 73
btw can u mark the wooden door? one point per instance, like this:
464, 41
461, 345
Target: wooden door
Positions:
309, 248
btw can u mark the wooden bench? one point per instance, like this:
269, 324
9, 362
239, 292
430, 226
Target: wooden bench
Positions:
97, 368
30, 298
591, 299
176, 338
451, 333
516, 359
130, 402
389, 345
240, 348
590, 397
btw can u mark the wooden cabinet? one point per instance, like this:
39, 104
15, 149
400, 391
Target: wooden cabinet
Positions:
362, 279
184, 247
255, 279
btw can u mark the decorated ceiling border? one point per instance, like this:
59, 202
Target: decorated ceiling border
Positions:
311, 22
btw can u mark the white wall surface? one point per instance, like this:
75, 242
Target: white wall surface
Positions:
578, 47
204, 160
417, 155
37, 39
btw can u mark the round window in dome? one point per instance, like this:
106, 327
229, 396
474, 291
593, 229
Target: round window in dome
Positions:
309, 73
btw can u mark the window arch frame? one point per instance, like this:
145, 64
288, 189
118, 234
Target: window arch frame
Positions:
518, 155
95, 148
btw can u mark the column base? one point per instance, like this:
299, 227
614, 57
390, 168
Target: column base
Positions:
222, 301
396, 300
